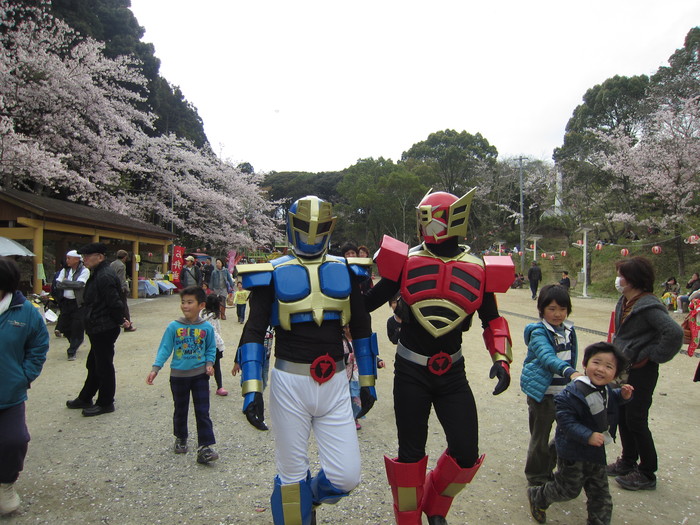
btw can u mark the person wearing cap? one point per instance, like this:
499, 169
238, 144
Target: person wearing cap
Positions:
190, 275
104, 314
119, 267
70, 284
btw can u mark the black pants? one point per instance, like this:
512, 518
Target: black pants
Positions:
635, 435
123, 297
198, 387
533, 287
100, 368
70, 324
14, 438
416, 389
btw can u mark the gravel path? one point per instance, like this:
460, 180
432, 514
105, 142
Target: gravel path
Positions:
119, 468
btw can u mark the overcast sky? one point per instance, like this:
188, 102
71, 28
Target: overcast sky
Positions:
316, 85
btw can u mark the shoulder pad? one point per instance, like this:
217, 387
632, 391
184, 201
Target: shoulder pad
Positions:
391, 257
253, 275
280, 260
499, 273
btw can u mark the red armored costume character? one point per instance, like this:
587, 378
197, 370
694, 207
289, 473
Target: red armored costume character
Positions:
441, 286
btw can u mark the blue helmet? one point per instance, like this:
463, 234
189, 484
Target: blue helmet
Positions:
310, 223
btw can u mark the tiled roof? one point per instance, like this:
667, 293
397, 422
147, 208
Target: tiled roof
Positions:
70, 212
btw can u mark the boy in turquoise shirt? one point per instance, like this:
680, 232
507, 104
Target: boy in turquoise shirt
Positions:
191, 342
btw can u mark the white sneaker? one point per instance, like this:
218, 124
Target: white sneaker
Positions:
9, 499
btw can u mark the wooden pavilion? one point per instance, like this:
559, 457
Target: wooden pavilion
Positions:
54, 227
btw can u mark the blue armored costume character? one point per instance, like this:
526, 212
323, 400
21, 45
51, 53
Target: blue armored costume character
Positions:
442, 285
308, 297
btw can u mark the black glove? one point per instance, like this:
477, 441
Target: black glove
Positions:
255, 412
501, 370
367, 400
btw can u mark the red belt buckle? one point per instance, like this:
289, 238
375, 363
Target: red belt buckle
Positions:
439, 363
322, 369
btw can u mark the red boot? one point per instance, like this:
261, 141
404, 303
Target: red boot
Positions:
406, 481
446, 481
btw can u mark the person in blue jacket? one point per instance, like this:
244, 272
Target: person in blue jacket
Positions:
587, 416
192, 343
550, 364
25, 342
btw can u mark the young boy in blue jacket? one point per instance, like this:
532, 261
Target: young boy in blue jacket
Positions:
192, 343
586, 418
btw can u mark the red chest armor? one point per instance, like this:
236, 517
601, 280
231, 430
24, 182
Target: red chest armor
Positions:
442, 293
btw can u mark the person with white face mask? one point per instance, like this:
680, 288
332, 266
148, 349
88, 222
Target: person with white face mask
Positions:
647, 335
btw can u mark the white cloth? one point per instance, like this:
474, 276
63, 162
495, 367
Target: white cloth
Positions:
299, 404
5, 302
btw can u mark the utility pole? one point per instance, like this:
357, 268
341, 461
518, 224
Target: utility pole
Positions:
522, 218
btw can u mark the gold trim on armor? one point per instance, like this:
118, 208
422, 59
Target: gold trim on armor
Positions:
407, 499
315, 302
426, 321
291, 503
252, 385
453, 489
367, 380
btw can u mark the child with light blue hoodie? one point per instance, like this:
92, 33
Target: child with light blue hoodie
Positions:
549, 365
192, 343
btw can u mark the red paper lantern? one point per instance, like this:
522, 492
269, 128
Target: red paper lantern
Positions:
579, 242
544, 255
693, 239
532, 246
150, 254
563, 253
551, 257
520, 253
599, 246
624, 252
656, 249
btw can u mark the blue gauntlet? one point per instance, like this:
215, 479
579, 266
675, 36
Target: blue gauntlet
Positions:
366, 352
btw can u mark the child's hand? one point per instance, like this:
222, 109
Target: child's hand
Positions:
210, 370
597, 439
575, 375
236, 368
380, 363
151, 377
626, 391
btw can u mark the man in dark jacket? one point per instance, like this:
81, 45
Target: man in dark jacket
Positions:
103, 315
534, 275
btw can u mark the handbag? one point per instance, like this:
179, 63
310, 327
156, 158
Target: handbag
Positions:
229, 299
687, 334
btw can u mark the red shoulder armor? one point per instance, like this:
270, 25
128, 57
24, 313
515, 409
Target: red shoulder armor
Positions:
391, 257
499, 273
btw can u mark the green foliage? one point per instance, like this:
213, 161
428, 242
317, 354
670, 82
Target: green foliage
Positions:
458, 158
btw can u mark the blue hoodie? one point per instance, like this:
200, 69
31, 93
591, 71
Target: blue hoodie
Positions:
24, 342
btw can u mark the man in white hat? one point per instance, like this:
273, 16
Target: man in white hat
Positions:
190, 275
70, 284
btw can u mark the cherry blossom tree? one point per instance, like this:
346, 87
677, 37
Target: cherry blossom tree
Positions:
71, 127
659, 171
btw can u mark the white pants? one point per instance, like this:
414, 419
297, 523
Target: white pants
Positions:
299, 404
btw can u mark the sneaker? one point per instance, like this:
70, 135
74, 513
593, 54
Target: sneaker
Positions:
9, 499
206, 455
357, 425
222, 392
635, 480
71, 357
538, 514
180, 446
620, 468
57, 333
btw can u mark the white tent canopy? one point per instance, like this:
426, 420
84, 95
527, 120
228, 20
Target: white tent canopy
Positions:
10, 247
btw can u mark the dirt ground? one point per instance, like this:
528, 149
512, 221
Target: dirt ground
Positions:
119, 468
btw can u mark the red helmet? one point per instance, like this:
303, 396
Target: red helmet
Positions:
442, 215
